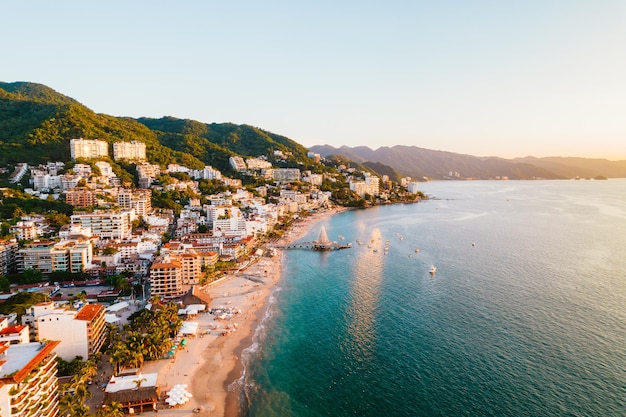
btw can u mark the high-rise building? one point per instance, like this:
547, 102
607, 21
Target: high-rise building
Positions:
28, 379
133, 150
139, 199
106, 225
81, 333
166, 278
81, 148
80, 197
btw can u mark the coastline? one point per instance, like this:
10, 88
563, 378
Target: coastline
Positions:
211, 363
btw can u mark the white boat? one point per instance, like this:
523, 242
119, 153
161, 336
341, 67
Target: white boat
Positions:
432, 269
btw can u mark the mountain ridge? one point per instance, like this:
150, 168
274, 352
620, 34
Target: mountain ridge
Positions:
419, 162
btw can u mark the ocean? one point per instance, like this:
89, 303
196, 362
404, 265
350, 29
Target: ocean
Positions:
525, 315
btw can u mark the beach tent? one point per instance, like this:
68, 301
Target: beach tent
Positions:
189, 328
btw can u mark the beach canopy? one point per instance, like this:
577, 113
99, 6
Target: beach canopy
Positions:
188, 328
178, 395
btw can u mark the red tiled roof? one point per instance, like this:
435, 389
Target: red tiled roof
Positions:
12, 329
89, 311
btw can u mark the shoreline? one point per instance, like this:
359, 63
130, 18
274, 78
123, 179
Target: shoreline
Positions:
212, 364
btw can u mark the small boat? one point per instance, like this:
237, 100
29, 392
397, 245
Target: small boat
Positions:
432, 270
417, 250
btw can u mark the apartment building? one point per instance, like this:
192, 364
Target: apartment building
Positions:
237, 163
286, 174
208, 173
13, 334
80, 332
8, 253
80, 197
28, 379
67, 256
133, 150
81, 148
24, 230
107, 225
166, 278
138, 199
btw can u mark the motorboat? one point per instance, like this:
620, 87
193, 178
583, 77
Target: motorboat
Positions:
432, 269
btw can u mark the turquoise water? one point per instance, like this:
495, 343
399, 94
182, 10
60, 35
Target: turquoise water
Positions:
525, 316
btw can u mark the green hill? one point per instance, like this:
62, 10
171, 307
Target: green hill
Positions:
36, 124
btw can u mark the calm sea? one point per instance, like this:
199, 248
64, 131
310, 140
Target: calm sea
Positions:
525, 316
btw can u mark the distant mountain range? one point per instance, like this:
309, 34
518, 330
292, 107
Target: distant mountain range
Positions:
425, 163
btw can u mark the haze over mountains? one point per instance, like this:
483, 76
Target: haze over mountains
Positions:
36, 123
418, 163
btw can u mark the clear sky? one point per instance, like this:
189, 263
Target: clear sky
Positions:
504, 78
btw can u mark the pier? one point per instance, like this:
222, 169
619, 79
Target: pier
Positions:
321, 243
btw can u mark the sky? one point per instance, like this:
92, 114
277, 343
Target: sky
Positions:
486, 78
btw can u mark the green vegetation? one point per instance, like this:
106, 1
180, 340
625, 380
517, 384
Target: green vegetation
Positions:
20, 302
147, 337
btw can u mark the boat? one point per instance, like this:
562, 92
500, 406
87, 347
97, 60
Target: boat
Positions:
417, 250
432, 270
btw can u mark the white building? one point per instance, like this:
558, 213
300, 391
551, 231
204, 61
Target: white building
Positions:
81, 332
107, 225
208, 173
105, 169
66, 256
28, 380
256, 163
237, 163
140, 200
81, 148
133, 150
413, 187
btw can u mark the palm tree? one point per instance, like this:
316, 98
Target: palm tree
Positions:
138, 382
119, 353
79, 410
114, 409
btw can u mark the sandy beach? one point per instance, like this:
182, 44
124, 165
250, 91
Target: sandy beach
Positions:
210, 362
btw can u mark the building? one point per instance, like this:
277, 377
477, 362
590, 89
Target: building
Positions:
237, 163
28, 380
286, 174
147, 173
413, 187
24, 230
80, 332
208, 173
107, 225
68, 256
81, 148
139, 199
370, 186
8, 253
13, 334
257, 163
133, 150
166, 277
80, 197
19, 172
